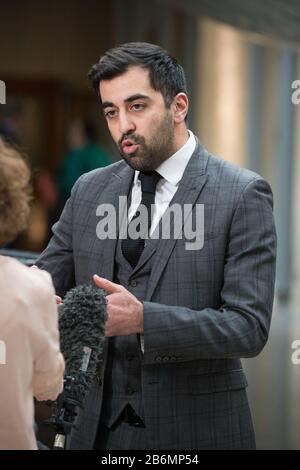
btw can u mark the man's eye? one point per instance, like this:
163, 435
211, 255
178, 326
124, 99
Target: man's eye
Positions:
110, 114
138, 106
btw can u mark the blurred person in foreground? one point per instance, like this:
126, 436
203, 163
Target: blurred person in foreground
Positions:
32, 365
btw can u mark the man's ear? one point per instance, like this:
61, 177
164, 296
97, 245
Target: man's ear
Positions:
180, 107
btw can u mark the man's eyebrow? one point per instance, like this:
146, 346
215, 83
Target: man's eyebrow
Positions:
137, 96
107, 104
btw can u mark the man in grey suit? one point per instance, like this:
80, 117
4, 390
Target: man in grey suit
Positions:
180, 316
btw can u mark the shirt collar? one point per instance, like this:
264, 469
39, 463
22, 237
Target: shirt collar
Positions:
173, 168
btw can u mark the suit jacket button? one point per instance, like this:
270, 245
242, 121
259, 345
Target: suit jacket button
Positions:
133, 283
130, 391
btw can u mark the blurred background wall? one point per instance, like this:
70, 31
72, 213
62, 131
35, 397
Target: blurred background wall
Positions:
241, 59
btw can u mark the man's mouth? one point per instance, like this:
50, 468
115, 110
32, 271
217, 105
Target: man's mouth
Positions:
129, 146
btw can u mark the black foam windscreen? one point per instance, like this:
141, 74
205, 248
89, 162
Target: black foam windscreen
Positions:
82, 317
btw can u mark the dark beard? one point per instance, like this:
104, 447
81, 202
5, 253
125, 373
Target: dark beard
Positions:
160, 148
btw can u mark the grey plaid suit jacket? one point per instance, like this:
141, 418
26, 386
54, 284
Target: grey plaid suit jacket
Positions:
203, 311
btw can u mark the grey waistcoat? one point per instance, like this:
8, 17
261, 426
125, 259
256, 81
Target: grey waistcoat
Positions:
122, 380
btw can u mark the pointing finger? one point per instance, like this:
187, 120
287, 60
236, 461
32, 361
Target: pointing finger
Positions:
109, 286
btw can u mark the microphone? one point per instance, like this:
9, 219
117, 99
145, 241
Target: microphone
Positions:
81, 322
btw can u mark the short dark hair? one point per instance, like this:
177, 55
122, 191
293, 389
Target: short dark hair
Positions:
165, 73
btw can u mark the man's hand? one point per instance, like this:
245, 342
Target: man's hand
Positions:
125, 312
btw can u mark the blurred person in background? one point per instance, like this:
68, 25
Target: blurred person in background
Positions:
11, 123
32, 365
85, 154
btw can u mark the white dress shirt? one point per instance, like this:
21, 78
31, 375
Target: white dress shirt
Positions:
171, 171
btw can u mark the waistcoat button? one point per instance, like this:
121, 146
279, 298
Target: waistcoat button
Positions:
129, 356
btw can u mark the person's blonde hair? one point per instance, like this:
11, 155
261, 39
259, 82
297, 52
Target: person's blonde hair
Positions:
15, 193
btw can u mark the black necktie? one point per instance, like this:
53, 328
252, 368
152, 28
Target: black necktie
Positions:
132, 249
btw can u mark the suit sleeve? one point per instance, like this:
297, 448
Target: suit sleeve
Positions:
57, 258
239, 328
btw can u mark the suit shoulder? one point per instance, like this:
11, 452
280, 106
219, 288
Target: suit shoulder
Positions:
223, 171
96, 179
103, 173
230, 182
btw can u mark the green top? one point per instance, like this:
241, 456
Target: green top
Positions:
79, 161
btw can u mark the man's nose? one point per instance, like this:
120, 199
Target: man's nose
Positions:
126, 124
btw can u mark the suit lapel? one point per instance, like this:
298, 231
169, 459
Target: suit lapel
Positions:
119, 186
190, 187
